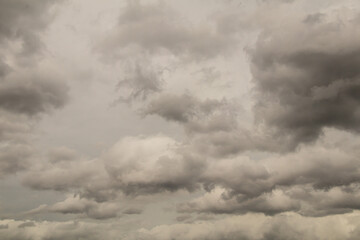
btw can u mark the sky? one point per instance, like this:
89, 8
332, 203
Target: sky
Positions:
179, 120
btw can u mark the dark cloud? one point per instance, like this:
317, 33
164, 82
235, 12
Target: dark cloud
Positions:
32, 94
306, 83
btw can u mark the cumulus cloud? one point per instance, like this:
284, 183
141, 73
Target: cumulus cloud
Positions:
150, 165
320, 181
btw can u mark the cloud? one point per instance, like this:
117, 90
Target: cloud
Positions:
25, 91
82, 207
258, 227
323, 179
134, 166
32, 93
141, 82
23, 22
24, 97
46, 230
147, 165
246, 227
157, 29
197, 116
26, 225
304, 84
64, 175
212, 125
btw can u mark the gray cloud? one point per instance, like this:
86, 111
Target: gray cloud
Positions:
257, 227
141, 82
32, 94
150, 165
327, 170
157, 29
197, 116
212, 125
246, 227
26, 225
308, 83
23, 21
4, 226
82, 207
24, 96
25, 93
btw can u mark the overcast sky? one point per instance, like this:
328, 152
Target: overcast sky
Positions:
179, 119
